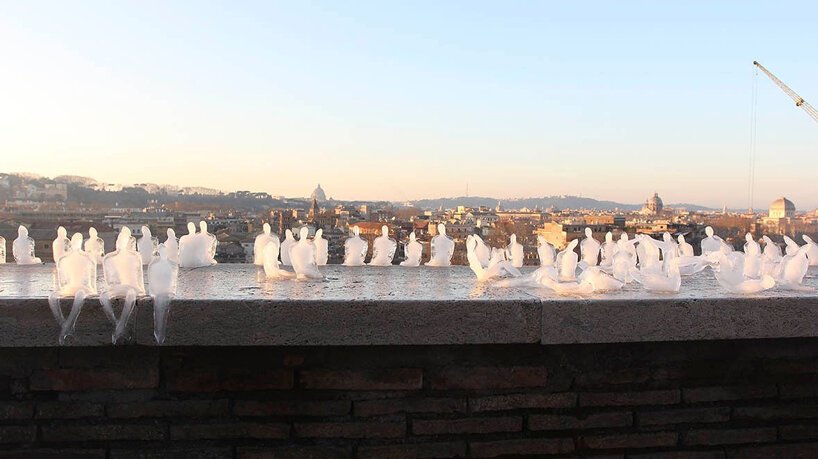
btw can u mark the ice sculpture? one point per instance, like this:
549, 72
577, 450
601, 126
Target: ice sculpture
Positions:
731, 276
685, 249
670, 249
752, 258
125, 232
413, 251
608, 251
95, 246
599, 281
793, 267
302, 256
812, 250
76, 277
770, 256
61, 244
2, 250
124, 279
624, 259
497, 268
321, 248
545, 252
147, 245
483, 251
648, 253
589, 249
171, 245
210, 242
287, 244
163, 275
22, 248
261, 241
442, 248
567, 263
383, 249
515, 252
355, 248
185, 251
711, 243
657, 280
197, 250
271, 267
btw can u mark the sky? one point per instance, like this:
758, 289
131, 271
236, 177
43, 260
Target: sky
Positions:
406, 100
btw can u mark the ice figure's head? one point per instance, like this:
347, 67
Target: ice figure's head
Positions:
792, 246
513, 238
385, 230
807, 239
748, 237
288, 234
163, 252
412, 236
441, 229
709, 231
355, 230
121, 242
319, 233
541, 239
203, 226
609, 237
22, 231
303, 233
667, 237
146, 232
171, 233
766, 240
681, 239
572, 245
76, 241
623, 237
191, 228
61, 232
588, 233
266, 228
92, 232
125, 232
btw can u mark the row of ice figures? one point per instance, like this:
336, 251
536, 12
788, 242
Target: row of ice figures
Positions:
76, 265
306, 255
658, 266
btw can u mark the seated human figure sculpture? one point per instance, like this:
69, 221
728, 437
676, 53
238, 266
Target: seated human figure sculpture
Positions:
567, 263
812, 250
171, 245
163, 275
94, 245
515, 252
497, 268
685, 249
287, 244
545, 252
442, 248
272, 269
648, 253
147, 246
22, 248
793, 267
302, 256
607, 251
669, 248
752, 257
589, 249
483, 251
321, 248
413, 250
123, 273
733, 275
383, 249
2, 250
77, 278
210, 242
711, 243
355, 248
60, 245
261, 241
770, 256
659, 280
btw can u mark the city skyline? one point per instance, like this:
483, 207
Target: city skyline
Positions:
405, 102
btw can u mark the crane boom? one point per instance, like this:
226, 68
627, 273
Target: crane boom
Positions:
799, 101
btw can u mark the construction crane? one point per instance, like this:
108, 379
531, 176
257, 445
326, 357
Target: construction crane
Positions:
799, 101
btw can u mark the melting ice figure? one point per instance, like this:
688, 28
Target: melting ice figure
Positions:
77, 278
515, 252
94, 245
302, 256
812, 250
147, 245
22, 248
483, 251
210, 242
589, 249
608, 251
567, 263
61, 244
545, 251
271, 267
171, 245
355, 249
261, 241
498, 267
163, 275
793, 267
321, 248
123, 273
657, 280
442, 248
287, 244
2, 250
413, 250
383, 249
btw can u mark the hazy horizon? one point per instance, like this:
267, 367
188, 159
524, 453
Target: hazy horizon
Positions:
391, 101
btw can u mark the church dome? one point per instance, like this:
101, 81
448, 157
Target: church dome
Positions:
318, 194
653, 205
782, 208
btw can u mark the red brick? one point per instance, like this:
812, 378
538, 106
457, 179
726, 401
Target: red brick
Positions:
788, 451
233, 380
377, 379
295, 452
591, 421
466, 425
276, 431
105, 432
413, 450
61, 453
173, 453
350, 429
766, 413
684, 416
724, 393
479, 378
630, 440
523, 401
729, 436
17, 434
527, 447
170, 409
650, 397
292, 408
84, 379
367, 408
16, 410
69, 410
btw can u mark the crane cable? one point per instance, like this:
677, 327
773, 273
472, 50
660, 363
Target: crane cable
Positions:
753, 141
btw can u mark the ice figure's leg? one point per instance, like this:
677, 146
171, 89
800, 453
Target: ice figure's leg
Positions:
161, 308
127, 309
70, 322
54, 304
105, 299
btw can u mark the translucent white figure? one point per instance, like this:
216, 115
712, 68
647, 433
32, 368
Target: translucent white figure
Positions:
600, 281
355, 248
793, 267
685, 249
287, 244
302, 256
94, 245
197, 250
2, 250
321, 248
812, 250
124, 278
383, 249
76, 277
210, 242
545, 252
171, 245
670, 249
648, 253
770, 257
483, 251
271, 267
261, 241
624, 259
163, 275
711, 243
752, 258
442, 248
147, 246
22, 248
732, 277
589, 249
413, 251
608, 251
657, 280
497, 268
567, 263
125, 232
185, 244
515, 252
61, 244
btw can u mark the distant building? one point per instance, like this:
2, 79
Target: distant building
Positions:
782, 208
653, 205
319, 194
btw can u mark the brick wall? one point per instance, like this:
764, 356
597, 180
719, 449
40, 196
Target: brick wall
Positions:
666, 400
